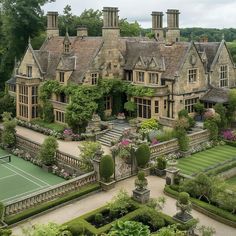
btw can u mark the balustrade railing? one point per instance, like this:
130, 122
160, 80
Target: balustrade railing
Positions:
48, 194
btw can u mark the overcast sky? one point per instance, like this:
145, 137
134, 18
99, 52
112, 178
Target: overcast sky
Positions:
194, 13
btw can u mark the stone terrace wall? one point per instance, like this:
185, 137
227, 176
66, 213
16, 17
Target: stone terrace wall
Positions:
172, 145
49, 194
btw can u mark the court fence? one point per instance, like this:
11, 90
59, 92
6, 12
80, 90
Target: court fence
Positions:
48, 194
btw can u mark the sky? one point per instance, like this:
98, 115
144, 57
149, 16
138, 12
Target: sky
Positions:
194, 13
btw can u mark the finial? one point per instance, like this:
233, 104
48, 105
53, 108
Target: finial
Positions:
29, 40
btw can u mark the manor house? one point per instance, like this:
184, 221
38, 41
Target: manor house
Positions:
180, 73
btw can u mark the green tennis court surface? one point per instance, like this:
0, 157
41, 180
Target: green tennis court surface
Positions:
20, 178
200, 161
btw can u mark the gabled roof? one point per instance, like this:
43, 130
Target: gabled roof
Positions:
83, 52
216, 95
210, 49
170, 57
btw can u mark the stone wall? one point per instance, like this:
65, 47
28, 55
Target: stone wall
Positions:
172, 145
48, 194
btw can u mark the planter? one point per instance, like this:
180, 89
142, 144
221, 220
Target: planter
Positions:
182, 217
160, 172
145, 170
47, 168
142, 196
107, 186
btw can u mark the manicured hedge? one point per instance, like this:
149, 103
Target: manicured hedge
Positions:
210, 210
45, 206
80, 225
230, 143
221, 169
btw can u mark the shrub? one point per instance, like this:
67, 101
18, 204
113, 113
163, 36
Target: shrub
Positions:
161, 163
47, 110
9, 130
106, 168
183, 139
120, 203
183, 198
88, 151
142, 155
212, 127
165, 135
183, 113
47, 153
199, 108
150, 124
5, 232
132, 228
130, 107
7, 104
98, 218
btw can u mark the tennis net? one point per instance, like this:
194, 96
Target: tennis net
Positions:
5, 159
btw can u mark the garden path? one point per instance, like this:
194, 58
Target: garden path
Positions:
78, 208
64, 146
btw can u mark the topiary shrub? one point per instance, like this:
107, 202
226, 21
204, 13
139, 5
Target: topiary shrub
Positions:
47, 112
183, 139
47, 153
98, 218
142, 155
161, 163
141, 181
106, 168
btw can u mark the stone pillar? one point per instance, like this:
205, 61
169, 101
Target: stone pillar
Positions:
96, 164
173, 31
171, 173
157, 25
52, 24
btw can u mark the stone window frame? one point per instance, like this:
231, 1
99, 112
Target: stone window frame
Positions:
224, 76
165, 104
59, 116
144, 108
62, 77
29, 71
150, 78
189, 104
94, 78
157, 107
193, 75
66, 47
138, 73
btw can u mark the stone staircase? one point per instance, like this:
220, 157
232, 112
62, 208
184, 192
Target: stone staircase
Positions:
113, 134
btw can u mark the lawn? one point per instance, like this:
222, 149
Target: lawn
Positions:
19, 178
203, 160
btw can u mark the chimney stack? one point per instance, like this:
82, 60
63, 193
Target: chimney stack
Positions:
173, 31
82, 32
111, 30
157, 25
52, 24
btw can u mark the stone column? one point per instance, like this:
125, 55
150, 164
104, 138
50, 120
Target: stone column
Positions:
171, 173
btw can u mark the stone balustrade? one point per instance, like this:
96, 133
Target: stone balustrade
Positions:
48, 194
33, 149
172, 145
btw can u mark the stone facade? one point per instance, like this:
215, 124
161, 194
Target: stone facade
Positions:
180, 73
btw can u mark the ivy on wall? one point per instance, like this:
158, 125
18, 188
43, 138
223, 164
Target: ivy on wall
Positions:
86, 99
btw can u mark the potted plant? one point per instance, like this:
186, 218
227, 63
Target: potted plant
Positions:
199, 108
184, 205
161, 166
106, 170
141, 193
47, 153
143, 155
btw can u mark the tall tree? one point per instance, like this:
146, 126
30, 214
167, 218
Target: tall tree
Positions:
20, 19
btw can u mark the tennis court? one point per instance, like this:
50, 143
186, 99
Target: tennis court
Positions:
19, 178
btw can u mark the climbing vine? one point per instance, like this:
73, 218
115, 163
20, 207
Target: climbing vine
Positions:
86, 99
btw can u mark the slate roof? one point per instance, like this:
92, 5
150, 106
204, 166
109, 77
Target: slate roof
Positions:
216, 95
172, 56
79, 61
210, 49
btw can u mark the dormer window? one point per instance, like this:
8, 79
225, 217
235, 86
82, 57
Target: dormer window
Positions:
153, 78
29, 71
224, 76
61, 77
94, 77
192, 75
